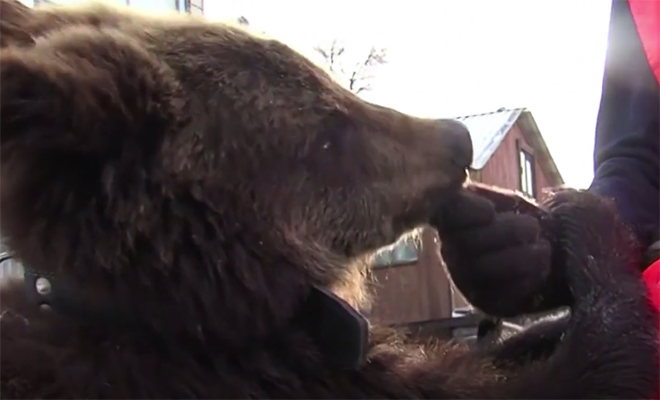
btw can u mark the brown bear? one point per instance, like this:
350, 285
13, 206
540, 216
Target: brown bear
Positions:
186, 198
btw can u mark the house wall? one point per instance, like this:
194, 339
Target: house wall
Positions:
503, 168
458, 301
415, 291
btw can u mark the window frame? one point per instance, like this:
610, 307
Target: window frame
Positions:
526, 172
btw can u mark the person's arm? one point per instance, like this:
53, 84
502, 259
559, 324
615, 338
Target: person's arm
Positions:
626, 158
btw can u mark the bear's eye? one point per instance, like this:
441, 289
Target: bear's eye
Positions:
338, 148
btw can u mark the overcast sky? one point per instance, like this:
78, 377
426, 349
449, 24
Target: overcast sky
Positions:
457, 57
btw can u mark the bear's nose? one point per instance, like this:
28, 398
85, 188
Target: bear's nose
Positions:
457, 141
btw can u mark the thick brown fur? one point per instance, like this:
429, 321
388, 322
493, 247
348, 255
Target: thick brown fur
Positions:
215, 177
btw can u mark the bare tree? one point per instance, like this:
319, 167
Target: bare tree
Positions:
359, 74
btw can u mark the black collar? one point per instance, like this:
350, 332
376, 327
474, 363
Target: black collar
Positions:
340, 331
63, 295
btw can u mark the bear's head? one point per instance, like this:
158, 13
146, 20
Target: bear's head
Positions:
208, 176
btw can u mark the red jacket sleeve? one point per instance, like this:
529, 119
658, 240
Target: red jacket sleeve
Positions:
652, 279
646, 14
626, 151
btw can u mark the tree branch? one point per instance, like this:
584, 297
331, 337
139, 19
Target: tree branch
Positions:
358, 77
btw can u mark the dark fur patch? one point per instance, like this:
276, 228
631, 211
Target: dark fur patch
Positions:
216, 177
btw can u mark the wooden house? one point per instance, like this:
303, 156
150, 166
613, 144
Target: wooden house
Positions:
412, 286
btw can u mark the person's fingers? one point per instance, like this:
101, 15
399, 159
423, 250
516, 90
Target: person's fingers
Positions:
509, 230
508, 265
504, 199
464, 211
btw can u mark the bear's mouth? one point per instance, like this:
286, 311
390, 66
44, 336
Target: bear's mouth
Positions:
423, 213
432, 200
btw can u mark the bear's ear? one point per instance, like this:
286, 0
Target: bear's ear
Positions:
85, 90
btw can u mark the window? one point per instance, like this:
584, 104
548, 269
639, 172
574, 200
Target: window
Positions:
404, 251
8, 266
194, 7
527, 183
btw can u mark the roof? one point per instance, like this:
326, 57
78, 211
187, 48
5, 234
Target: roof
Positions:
488, 130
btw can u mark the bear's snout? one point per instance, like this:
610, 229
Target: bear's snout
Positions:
456, 140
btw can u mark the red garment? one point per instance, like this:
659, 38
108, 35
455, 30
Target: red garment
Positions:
652, 279
646, 14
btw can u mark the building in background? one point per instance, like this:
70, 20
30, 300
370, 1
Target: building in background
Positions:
509, 152
413, 288
194, 7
